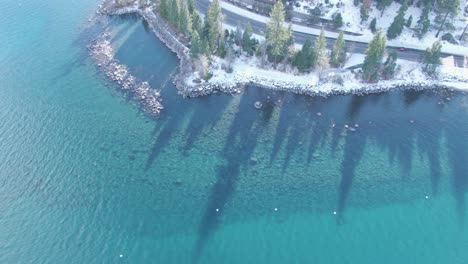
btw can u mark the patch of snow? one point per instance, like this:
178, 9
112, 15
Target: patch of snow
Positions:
351, 18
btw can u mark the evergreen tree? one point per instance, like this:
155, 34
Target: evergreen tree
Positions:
364, 13
382, 4
214, 24
337, 20
448, 7
164, 9
302, 57
338, 54
191, 6
185, 23
247, 39
197, 24
431, 59
277, 34
320, 58
238, 36
409, 21
195, 48
174, 13
398, 23
390, 65
373, 25
374, 55
424, 22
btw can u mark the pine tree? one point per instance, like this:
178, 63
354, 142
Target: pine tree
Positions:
424, 22
276, 34
431, 59
320, 52
174, 13
409, 21
338, 54
214, 24
390, 65
364, 13
337, 20
398, 23
302, 57
238, 36
197, 24
191, 6
164, 9
247, 39
374, 55
373, 25
195, 48
382, 4
448, 7
185, 23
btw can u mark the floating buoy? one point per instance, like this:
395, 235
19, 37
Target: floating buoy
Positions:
411, 121
276, 209
427, 197
334, 212
217, 210
319, 114
121, 255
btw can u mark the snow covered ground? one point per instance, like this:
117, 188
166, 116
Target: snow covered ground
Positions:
351, 18
247, 70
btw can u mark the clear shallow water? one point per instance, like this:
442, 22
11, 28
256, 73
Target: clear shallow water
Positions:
85, 177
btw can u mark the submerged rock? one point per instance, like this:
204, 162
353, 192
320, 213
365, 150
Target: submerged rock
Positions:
258, 104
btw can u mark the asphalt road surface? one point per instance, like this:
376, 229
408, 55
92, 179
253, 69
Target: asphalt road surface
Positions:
235, 20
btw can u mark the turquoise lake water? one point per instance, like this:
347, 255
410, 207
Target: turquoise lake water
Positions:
86, 177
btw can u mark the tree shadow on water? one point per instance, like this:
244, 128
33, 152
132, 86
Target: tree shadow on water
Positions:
353, 152
242, 140
458, 159
206, 114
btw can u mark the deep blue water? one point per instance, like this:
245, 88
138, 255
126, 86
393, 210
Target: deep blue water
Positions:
85, 176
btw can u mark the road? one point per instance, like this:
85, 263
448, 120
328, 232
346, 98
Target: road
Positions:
234, 20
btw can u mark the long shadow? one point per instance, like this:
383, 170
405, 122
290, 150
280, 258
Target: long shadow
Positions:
428, 140
286, 119
246, 127
206, 114
167, 130
353, 152
458, 159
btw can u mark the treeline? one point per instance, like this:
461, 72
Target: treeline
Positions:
208, 38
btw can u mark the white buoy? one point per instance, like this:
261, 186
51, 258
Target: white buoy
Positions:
334, 212
217, 210
427, 197
276, 209
121, 255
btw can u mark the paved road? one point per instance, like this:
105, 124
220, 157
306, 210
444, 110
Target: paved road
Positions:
234, 19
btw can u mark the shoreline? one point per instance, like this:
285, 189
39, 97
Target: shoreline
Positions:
190, 86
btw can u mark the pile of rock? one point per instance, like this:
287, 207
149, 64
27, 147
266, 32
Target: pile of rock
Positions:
102, 51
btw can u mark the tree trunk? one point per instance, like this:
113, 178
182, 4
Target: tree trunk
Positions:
461, 37
441, 25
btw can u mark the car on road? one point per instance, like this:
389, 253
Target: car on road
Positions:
401, 49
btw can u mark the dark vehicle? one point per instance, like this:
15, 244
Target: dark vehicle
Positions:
401, 49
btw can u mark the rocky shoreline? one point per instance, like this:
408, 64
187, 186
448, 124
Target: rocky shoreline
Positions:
102, 52
189, 88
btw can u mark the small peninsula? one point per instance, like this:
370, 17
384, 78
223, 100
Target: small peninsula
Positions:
321, 53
